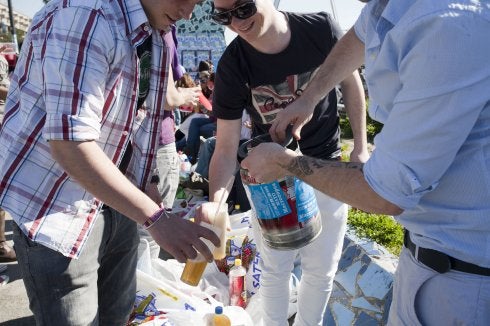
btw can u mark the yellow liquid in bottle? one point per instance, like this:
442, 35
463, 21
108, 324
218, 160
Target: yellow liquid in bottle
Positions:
221, 320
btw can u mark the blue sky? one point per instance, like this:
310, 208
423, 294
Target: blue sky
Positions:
26, 7
346, 10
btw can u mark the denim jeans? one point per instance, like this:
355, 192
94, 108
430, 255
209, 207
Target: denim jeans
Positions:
205, 153
199, 127
99, 288
319, 261
177, 117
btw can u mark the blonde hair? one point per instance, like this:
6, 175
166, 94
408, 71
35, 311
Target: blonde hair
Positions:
185, 81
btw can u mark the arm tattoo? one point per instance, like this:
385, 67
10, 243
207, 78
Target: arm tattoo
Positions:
299, 167
303, 166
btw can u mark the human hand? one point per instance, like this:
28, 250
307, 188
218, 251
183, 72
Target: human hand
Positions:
190, 96
359, 154
181, 238
266, 162
202, 215
297, 114
209, 212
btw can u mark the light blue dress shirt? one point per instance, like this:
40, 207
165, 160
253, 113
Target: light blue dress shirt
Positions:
428, 75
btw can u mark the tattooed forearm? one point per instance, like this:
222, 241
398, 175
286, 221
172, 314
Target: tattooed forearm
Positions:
299, 166
303, 166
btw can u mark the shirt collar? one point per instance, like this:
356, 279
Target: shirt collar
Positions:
137, 25
387, 13
393, 10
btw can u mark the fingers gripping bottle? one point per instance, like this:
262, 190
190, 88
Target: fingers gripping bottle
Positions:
286, 209
238, 292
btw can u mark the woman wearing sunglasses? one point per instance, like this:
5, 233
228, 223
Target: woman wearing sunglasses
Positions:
263, 70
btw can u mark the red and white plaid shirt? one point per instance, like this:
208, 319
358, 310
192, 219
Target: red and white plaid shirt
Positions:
77, 80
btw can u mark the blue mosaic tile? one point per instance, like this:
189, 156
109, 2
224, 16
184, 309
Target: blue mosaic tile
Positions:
347, 278
387, 305
375, 282
200, 38
365, 320
362, 303
328, 319
342, 314
366, 260
348, 257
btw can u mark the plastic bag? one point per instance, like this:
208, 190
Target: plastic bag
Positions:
244, 245
162, 299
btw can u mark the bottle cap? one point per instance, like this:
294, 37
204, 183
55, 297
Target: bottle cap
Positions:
238, 262
218, 310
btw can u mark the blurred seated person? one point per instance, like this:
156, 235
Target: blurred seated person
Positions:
186, 81
185, 111
180, 71
204, 126
200, 124
204, 77
207, 148
199, 178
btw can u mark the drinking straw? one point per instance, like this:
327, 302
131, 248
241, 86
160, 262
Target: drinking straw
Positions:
227, 189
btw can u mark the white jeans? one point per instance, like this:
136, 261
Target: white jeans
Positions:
319, 261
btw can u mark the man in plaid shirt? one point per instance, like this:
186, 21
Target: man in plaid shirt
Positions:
89, 86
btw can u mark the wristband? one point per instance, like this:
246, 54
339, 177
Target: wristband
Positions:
154, 218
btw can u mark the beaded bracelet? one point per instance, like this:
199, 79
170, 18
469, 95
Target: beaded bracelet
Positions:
154, 218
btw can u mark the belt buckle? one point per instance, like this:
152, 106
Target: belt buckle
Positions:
434, 259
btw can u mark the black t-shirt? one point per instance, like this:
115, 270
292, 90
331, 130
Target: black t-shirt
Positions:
263, 83
144, 54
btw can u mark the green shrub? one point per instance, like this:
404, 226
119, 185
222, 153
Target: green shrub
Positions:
345, 152
345, 129
382, 229
372, 128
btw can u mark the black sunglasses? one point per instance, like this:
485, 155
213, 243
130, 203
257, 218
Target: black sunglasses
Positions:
243, 11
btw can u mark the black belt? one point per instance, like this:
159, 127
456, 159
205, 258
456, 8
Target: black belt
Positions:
439, 261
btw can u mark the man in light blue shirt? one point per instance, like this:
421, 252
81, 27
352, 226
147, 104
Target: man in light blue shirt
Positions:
428, 77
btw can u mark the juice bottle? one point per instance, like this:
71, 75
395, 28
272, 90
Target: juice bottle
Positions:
220, 319
238, 291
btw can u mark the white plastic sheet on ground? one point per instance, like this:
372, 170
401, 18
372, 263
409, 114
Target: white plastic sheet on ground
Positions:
162, 299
